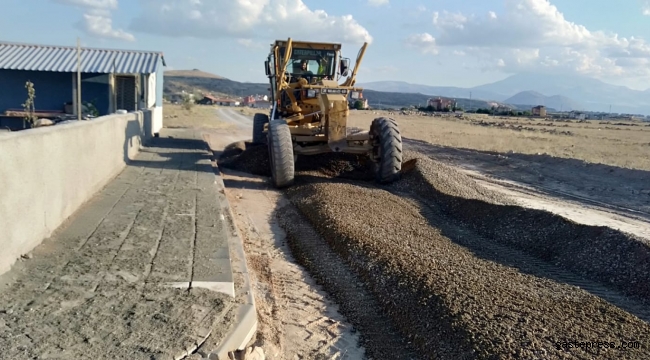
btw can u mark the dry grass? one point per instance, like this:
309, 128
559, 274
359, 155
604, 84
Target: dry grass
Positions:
625, 146
200, 116
249, 111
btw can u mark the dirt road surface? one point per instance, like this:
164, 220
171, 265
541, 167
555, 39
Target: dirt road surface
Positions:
297, 320
466, 271
234, 117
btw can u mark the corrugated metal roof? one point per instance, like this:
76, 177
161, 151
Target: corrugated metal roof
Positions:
15, 56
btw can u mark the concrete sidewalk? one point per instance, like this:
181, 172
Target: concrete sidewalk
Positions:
143, 271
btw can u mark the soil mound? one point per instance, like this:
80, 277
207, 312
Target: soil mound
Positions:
599, 254
246, 157
430, 175
448, 301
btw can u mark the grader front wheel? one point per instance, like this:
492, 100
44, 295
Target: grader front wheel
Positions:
259, 120
281, 155
387, 149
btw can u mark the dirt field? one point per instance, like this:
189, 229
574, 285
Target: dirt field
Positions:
624, 145
199, 116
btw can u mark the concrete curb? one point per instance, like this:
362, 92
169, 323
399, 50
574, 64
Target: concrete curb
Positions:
245, 313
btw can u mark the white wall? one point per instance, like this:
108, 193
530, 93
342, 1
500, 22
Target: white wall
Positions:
47, 173
156, 119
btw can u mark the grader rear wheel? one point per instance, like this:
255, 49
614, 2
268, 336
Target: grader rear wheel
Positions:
387, 149
281, 155
259, 120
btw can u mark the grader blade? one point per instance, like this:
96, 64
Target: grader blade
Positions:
335, 108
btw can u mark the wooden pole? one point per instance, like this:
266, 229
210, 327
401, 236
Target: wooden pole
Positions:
78, 79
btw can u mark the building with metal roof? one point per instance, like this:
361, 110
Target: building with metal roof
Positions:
111, 79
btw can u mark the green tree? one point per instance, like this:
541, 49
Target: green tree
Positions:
358, 105
187, 102
28, 106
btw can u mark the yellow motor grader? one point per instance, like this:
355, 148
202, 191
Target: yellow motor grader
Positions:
310, 112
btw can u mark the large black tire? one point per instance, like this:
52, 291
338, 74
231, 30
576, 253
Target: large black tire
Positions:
281, 154
387, 149
259, 120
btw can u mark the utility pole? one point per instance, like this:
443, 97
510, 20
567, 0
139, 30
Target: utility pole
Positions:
470, 101
78, 79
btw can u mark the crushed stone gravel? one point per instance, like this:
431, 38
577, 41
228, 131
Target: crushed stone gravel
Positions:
246, 157
448, 301
598, 253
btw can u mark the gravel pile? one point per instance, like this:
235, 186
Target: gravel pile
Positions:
335, 165
600, 254
246, 157
450, 303
254, 159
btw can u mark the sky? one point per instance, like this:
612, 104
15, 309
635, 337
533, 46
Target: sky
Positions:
432, 42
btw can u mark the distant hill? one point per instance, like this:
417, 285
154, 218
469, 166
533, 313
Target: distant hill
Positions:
534, 98
585, 93
213, 85
195, 73
446, 91
383, 99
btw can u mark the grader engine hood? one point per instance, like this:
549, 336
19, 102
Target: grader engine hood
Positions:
334, 106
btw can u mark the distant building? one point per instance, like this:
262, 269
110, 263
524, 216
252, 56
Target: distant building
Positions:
249, 101
257, 101
227, 102
208, 100
111, 80
440, 104
539, 111
262, 104
577, 115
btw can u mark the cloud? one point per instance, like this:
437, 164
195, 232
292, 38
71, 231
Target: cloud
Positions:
377, 2
97, 20
251, 44
248, 19
645, 9
100, 24
533, 35
424, 42
93, 4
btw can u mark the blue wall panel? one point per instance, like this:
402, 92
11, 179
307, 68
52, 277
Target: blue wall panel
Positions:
95, 89
52, 89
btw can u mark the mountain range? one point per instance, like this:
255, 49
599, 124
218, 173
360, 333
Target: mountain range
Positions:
521, 91
553, 91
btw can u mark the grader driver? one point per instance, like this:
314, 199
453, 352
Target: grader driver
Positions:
310, 112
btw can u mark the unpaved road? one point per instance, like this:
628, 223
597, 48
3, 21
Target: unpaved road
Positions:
297, 320
232, 116
621, 191
462, 271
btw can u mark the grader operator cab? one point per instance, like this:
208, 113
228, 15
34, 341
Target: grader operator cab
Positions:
310, 111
